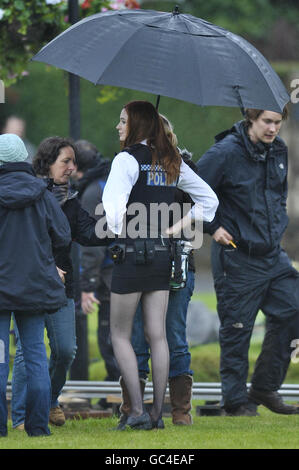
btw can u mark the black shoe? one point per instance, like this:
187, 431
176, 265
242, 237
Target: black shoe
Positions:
273, 401
140, 422
122, 423
242, 410
159, 424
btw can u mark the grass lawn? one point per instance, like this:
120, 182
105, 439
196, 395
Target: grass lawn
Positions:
268, 431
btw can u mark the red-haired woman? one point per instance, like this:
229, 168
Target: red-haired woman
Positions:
143, 176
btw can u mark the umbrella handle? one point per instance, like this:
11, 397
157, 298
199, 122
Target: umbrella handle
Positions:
157, 102
236, 88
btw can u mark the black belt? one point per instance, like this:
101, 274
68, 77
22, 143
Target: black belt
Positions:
144, 251
131, 249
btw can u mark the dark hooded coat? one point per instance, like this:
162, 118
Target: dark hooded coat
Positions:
251, 184
32, 224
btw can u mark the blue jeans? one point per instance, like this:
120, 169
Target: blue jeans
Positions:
179, 354
61, 332
37, 400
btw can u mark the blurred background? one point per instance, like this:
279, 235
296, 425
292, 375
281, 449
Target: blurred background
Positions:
40, 97
39, 94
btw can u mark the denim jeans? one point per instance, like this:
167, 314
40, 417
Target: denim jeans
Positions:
37, 400
60, 328
176, 317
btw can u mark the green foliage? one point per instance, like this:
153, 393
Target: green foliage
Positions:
248, 18
24, 28
109, 93
26, 25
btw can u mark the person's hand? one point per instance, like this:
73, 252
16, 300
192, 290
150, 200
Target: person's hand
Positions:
61, 274
223, 237
179, 226
87, 302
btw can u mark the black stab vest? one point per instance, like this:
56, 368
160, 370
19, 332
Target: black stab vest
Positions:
151, 190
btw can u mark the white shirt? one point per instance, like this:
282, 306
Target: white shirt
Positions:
123, 176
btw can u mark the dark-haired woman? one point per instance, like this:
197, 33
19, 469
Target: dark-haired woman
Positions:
144, 174
56, 160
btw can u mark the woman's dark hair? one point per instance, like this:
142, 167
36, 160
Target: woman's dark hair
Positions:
87, 156
254, 114
47, 153
143, 123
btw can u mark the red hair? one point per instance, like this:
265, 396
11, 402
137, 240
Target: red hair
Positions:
144, 123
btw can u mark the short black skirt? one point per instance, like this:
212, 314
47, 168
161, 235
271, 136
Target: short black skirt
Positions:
128, 277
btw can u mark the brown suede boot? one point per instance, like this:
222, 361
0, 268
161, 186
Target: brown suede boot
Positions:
180, 391
125, 406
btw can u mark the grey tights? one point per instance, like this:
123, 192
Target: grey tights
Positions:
122, 312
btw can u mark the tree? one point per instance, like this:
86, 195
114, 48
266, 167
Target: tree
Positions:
26, 25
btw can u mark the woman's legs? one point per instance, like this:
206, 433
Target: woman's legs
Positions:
154, 305
122, 311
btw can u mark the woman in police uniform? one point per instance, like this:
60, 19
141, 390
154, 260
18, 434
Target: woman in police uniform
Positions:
143, 175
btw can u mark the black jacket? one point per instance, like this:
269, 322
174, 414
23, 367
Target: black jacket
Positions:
251, 184
83, 232
96, 264
31, 223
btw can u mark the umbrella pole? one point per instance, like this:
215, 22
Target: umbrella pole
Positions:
157, 102
236, 88
74, 83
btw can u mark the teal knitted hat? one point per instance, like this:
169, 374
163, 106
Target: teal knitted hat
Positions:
12, 149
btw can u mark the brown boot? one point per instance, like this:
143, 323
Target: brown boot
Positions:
125, 407
180, 390
57, 416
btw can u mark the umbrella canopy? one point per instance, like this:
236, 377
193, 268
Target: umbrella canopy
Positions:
169, 54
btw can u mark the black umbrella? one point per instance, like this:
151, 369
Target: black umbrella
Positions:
169, 54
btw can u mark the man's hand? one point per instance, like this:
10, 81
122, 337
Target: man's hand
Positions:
87, 302
222, 236
61, 274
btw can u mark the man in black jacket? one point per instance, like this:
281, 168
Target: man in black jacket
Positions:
247, 168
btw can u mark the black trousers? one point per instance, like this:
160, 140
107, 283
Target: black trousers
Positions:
244, 285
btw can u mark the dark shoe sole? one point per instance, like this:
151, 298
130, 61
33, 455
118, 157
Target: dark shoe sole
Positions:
286, 410
158, 424
235, 415
281, 411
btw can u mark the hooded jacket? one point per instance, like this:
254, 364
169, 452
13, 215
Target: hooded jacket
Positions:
31, 226
251, 184
96, 264
83, 232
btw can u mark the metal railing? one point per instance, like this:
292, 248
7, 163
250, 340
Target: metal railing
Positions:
200, 390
